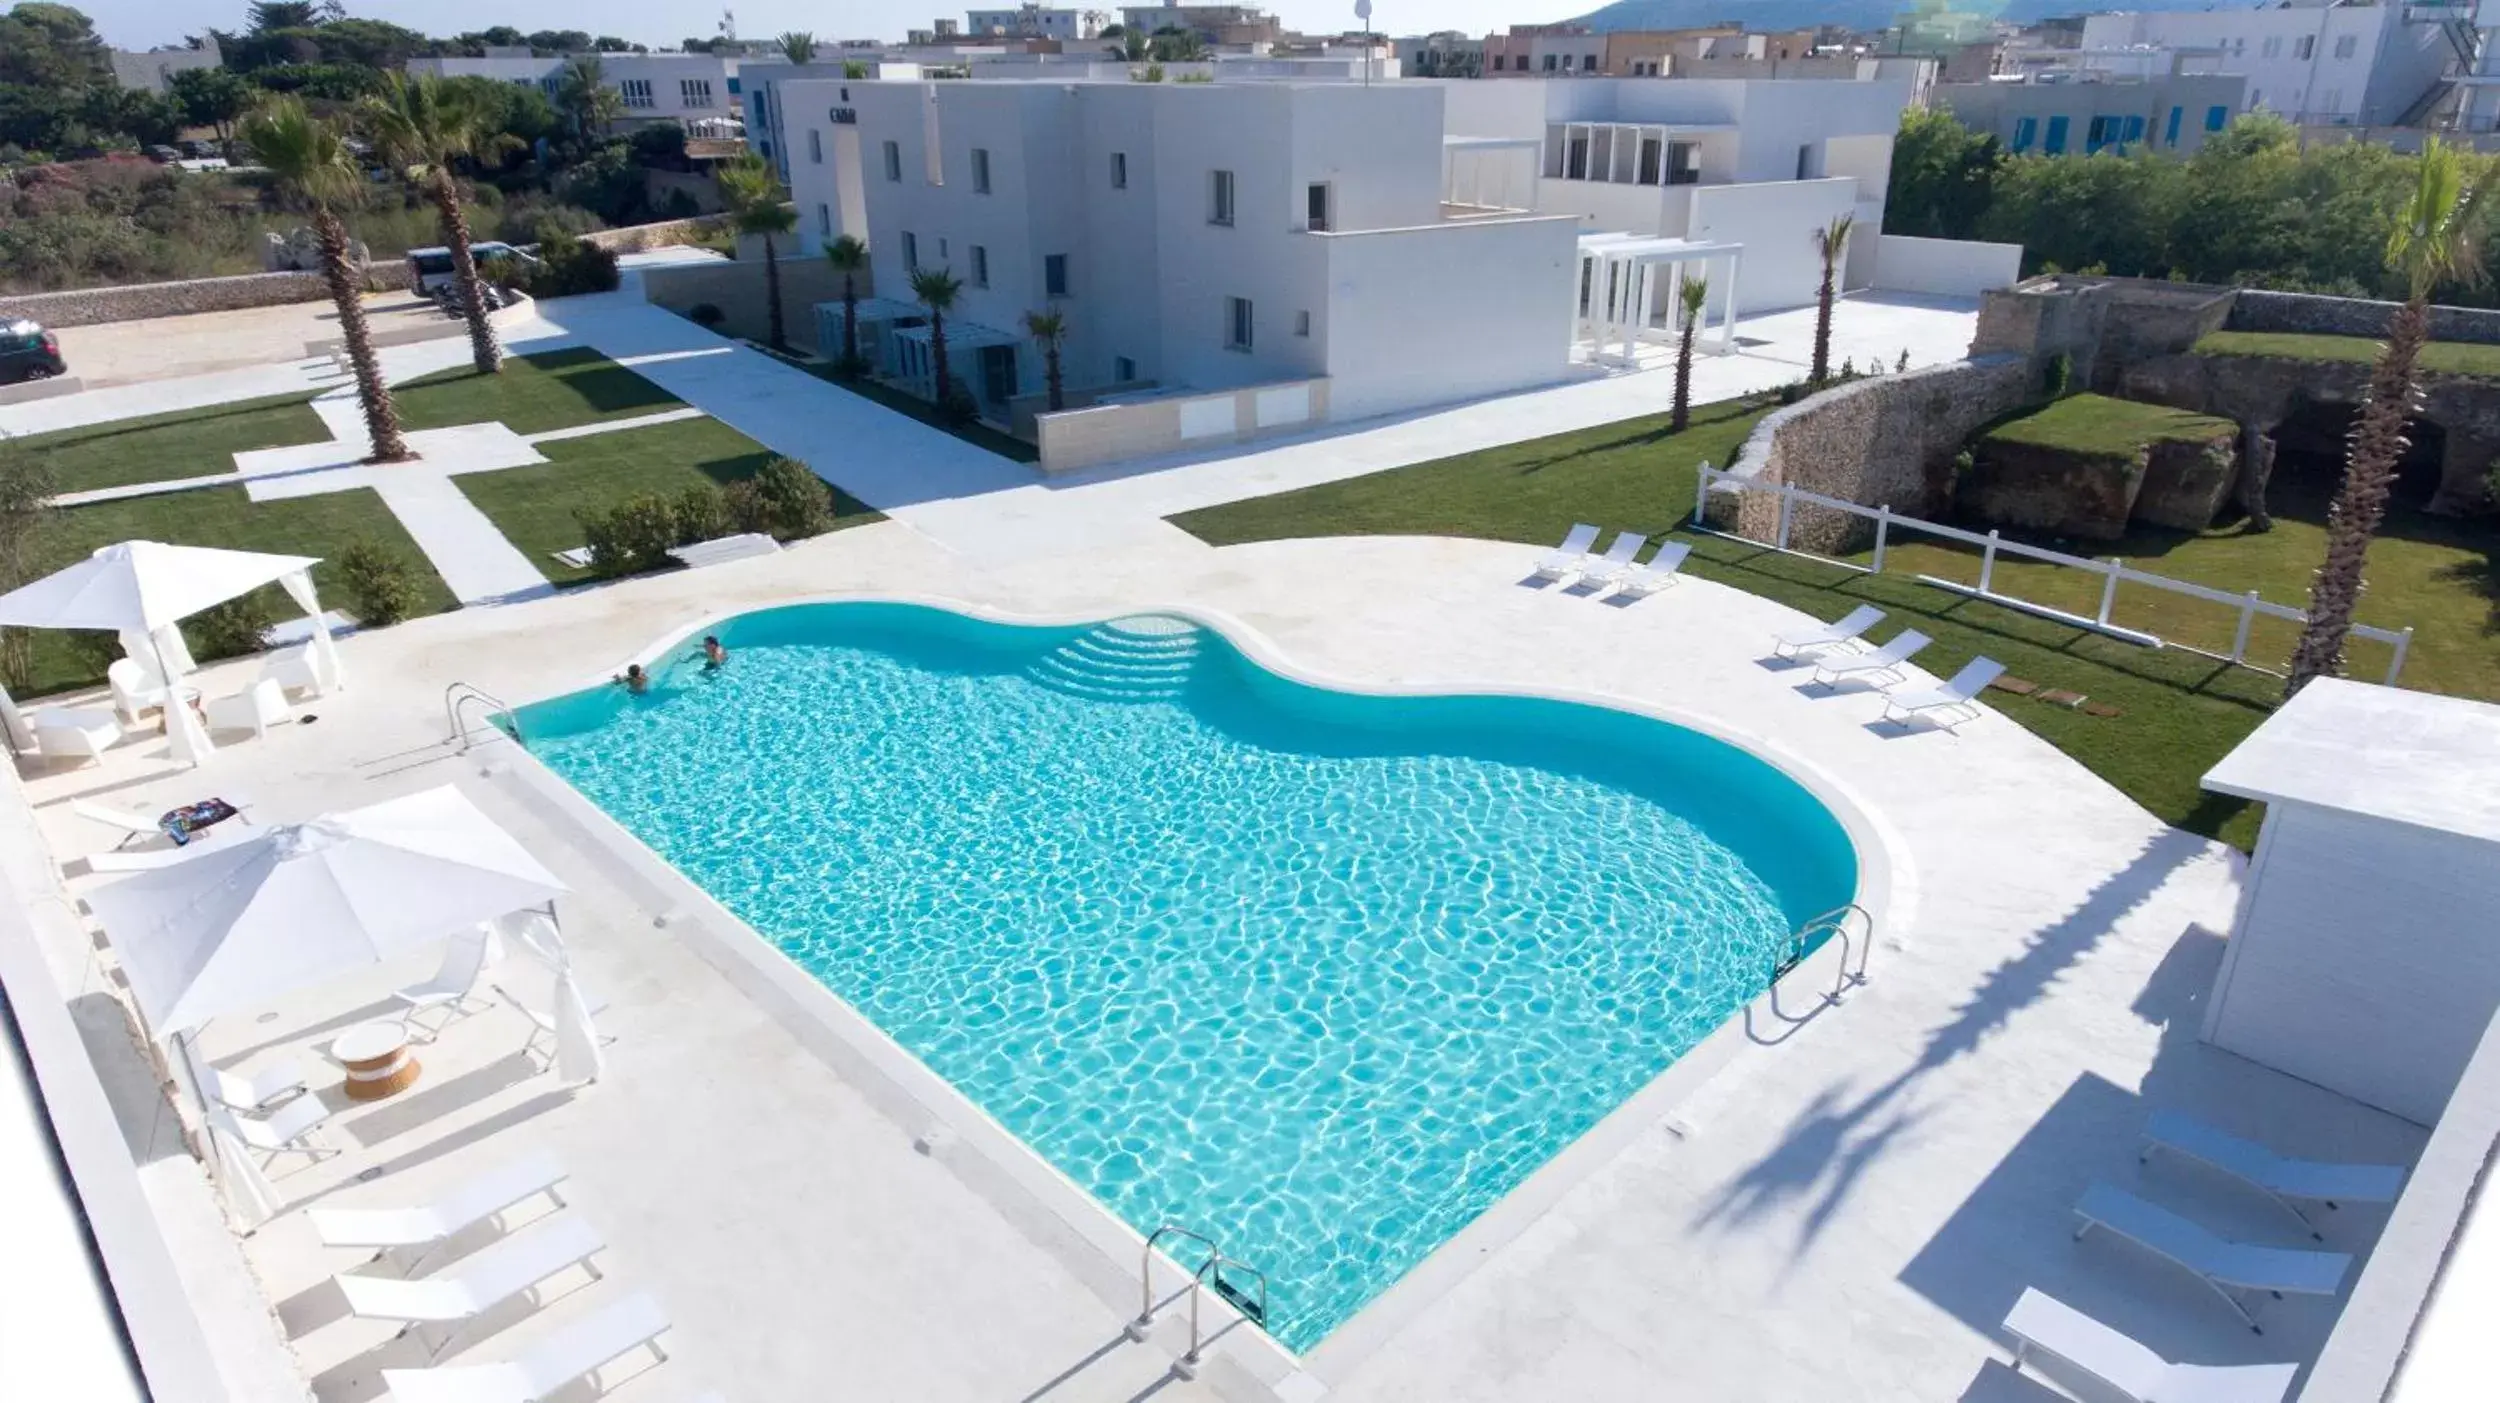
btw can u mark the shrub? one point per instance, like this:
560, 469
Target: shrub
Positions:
2061, 374
705, 315
231, 629
795, 501
850, 367
381, 588
747, 509
958, 408
634, 537
700, 513
569, 267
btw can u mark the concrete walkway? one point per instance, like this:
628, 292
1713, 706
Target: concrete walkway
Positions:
480, 564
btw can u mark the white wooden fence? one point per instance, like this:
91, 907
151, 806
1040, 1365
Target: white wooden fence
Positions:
2248, 605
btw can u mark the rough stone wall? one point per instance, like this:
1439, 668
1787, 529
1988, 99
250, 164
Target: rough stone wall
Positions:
2034, 487
2042, 319
2186, 481
2304, 312
667, 233
2147, 319
92, 306
1886, 441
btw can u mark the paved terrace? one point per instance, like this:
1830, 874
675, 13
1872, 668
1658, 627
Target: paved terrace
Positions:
1844, 1213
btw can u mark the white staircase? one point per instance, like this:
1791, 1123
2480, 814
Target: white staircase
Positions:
1144, 657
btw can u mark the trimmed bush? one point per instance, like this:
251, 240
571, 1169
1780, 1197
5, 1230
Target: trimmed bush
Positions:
635, 537
705, 315
701, 514
231, 629
748, 512
796, 502
569, 267
381, 589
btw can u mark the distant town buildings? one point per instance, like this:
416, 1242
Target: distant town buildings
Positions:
152, 70
2316, 64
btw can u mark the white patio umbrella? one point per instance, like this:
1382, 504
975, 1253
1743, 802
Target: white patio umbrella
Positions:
147, 588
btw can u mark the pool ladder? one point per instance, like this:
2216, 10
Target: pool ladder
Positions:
1208, 1277
461, 694
1853, 925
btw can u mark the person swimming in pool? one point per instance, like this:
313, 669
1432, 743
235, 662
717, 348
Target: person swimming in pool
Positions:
714, 655
635, 679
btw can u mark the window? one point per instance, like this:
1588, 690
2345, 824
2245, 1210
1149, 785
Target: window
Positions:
911, 251
2304, 46
2344, 46
1549, 63
2102, 132
2134, 132
941, 249
2216, 118
1301, 323
1682, 163
1315, 207
2272, 48
815, 147
980, 170
2256, 98
893, 161
1497, 63
824, 220
1236, 323
1220, 197
1588, 63
980, 265
2170, 128
637, 92
694, 92
2334, 106
1054, 275
1805, 162
1119, 170
2056, 145
2026, 131
1566, 62
1123, 370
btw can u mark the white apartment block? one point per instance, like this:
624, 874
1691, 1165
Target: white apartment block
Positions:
2083, 113
1196, 237
2339, 64
684, 88
2480, 109
1031, 22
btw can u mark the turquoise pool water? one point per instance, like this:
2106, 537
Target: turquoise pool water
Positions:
1320, 975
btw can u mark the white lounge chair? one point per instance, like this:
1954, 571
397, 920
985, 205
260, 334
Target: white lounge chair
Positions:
1569, 557
2045, 1325
489, 1195
254, 1095
287, 1130
135, 825
1798, 642
292, 669
452, 986
233, 830
1884, 662
628, 1325
2217, 1261
480, 1283
2283, 1180
1616, 563
1662, 570
542, 1027
75, 733
1956, 698
135, 692
255, 709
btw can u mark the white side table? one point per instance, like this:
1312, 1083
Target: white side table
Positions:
377, 1060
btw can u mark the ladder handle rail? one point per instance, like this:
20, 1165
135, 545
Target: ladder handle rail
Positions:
1198, 1289
1146, 1266
1835, 922
460, 694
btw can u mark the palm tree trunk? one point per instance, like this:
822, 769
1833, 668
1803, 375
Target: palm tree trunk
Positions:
381, 416
484, 350
1050, 376
850, 325
1823, 326
1683, 379
2378, 443
937, 355
772, 294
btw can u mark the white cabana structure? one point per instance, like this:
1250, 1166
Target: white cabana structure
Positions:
297, 905
1629, 285
142, 590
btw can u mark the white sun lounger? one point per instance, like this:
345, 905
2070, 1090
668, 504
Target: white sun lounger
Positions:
1804, 640
2283, 1180
2045, 1325
1615, 563
287, 1130
1955, 699
1884, 662
2217, 1261
1660, 572
555, 1361
494, 1192
480, 1283
253, 1095
722, 549
1570, 556
454, 984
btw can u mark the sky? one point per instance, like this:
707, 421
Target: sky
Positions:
150, 23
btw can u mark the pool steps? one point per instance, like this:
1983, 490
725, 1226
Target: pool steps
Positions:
1146, 658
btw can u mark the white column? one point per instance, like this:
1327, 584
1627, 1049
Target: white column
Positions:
1727, 328
184, 735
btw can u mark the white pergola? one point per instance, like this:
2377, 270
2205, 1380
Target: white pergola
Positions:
1624, 299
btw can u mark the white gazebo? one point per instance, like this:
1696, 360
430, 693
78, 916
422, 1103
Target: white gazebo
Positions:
297, 905
144, 589
1629, 285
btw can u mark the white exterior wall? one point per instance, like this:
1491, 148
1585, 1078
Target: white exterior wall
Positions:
2366, 957
1941, 267
2392, 64
1776, 224
1394, 312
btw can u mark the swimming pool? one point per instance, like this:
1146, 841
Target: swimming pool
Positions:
1321, 975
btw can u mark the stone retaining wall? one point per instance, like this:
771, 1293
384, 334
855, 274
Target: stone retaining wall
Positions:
2252, 310
1885, 441
92, 306
667, 233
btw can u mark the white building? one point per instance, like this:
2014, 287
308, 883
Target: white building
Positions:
684, 88
2340, 64
760, 84
2480, 109
1031, 22
2083, 113
1197, 237
152, 70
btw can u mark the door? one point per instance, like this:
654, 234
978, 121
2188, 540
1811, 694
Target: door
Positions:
998, 374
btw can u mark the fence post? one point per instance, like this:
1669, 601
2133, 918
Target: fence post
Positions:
1785, 501
1701, 493
2248, 615
1883, 528
2396, 664
2109, 589
1988, 563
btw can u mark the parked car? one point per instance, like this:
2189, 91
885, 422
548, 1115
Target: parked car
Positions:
430, 268
164, 155
28, 352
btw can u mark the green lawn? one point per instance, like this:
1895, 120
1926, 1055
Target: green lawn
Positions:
550, 390
2102, 427
220, 516
2447, 357
2179, 712
534, 506
164, 447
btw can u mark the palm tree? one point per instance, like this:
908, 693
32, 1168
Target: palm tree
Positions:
583, 95
423, 125
1831, 244
2431, 241
798, 46
1690, 296
1048, 329
849, 257
937, 289
310, 161
752, 194
1131, 44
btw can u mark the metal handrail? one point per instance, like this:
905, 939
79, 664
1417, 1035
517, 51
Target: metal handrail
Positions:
1146, 1271
459, 694
1257, 1313
1836, 922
